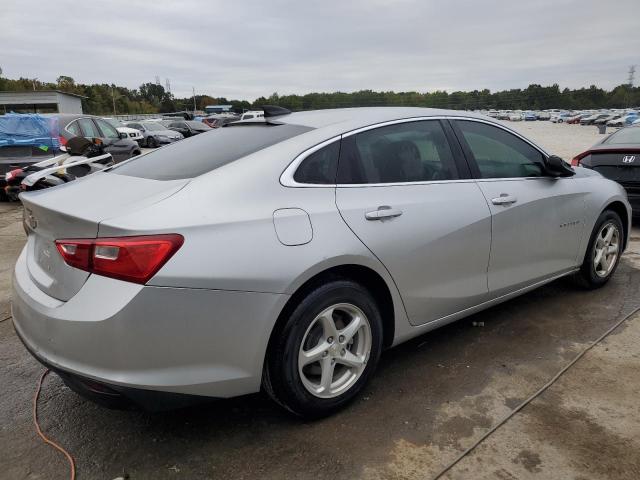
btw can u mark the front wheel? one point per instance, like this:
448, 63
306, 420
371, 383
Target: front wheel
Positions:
326, 351
151, 142
603, 252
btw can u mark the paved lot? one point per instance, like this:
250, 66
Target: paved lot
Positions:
431, 398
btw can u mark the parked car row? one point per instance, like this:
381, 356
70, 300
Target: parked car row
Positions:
611, 118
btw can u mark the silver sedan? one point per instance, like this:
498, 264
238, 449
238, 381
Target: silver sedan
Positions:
286, 254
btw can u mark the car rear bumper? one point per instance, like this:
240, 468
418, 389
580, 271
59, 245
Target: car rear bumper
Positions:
131, 337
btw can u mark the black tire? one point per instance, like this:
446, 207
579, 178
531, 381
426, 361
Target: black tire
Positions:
587, 277
151, 142
282, 379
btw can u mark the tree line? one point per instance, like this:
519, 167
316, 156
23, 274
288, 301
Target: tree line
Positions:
102, 99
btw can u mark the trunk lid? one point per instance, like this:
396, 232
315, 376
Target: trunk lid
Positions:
75, 210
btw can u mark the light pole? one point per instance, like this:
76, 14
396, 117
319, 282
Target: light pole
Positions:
194, 99
113, 99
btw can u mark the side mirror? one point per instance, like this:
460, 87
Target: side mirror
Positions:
122, 135
557, 167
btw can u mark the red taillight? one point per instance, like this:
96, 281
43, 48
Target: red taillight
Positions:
575, 161
13, 173
63, 141
132, 259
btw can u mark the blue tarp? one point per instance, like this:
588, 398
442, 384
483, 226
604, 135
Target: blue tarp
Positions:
29, 129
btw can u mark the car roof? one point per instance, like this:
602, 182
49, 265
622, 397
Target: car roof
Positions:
352, 118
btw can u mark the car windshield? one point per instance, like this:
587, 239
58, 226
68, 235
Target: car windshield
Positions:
204, 153
154, 126
625, 135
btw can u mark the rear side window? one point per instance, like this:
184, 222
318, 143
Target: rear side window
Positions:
400, 153
208, 151
500, 154
74, 128
320, 167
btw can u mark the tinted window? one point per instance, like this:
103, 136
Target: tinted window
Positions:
74, 128
107, 130
405, 152
319, 167
247, 117
203, 153
89, 128
500, 154
625, 135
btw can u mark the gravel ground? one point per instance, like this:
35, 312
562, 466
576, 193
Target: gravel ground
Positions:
431, 398
560, 139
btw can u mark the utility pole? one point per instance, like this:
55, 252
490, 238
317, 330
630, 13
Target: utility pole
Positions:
194, 99
167, 84
113, 99
632, 75
34, 83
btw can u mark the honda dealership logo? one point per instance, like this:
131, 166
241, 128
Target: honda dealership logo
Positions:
629, 159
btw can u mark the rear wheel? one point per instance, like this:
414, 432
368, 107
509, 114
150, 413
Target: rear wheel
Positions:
326, 351
603, 252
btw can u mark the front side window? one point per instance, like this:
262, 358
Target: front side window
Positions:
405, 152
500, 154
107, 129
319, 167
89, 128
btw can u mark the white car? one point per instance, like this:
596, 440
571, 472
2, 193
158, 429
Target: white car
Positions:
251, 114
132, 133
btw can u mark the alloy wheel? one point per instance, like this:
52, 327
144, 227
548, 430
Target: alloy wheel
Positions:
334, 350
606, 249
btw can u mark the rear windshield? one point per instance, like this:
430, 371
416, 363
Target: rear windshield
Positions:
625, 135
207, 151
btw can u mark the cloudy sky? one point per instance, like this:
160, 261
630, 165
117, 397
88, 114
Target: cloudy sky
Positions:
249, 48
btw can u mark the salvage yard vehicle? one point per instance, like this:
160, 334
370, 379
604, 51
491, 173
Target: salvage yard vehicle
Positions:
286, 254
590, 120
81, 158
26, 139
617, 157
155, 134
188, 128
118, 145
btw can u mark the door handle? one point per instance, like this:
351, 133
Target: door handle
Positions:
504, 199
382, 213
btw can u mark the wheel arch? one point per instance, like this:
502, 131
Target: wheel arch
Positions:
620, 208
364, 275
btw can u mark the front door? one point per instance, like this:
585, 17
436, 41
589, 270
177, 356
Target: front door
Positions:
400, 191
537, 220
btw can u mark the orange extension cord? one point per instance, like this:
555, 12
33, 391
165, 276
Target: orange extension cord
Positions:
42, 435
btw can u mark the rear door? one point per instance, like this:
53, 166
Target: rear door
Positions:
537, 220
407, 195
